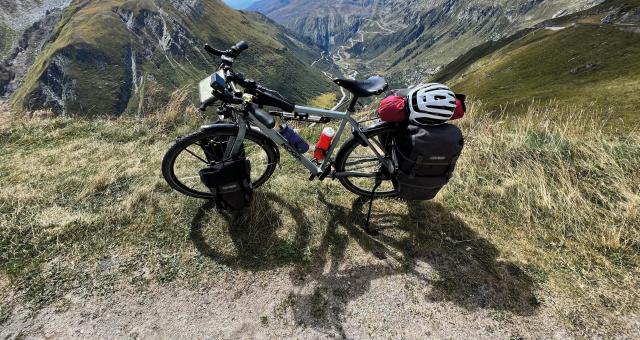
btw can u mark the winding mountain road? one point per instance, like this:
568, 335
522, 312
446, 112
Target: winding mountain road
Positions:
340, 57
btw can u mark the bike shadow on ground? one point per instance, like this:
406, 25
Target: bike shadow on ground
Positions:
251, 239
429, 245
436, 249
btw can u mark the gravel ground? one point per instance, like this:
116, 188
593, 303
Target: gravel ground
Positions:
374, 301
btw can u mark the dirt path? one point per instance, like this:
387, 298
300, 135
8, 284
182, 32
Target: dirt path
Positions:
373, 300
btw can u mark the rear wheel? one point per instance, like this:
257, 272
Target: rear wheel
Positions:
183, 162
361, 160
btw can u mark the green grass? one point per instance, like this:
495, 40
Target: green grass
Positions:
540, 208
325, 101
590, 65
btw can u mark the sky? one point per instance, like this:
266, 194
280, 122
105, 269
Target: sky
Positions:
239, 4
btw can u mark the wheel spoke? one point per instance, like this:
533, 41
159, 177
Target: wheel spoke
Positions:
361, 167
188, 162
196, 156
366, 160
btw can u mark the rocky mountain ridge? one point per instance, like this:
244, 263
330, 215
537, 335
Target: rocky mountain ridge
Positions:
117, 56
25, 25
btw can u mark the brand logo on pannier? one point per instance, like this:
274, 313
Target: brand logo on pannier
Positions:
437, 158
231, 186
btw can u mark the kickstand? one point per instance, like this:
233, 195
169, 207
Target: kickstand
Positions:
373, 196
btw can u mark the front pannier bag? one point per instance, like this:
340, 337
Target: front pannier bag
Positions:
426, 159
230, 182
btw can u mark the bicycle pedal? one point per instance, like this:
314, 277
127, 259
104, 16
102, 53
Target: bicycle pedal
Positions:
312, 178
325, 173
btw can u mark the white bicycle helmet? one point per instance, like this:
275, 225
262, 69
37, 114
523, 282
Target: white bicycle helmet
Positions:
431, 104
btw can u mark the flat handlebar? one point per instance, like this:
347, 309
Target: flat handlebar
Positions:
263, 95
233, 52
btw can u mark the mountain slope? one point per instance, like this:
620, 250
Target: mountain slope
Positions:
409, 39
118, 56
585, 62
25, 25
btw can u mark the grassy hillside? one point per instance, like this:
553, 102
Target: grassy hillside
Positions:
591, 62
433, 33
115, 56
543, 212
586, 64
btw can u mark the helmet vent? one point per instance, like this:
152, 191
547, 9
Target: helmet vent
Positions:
445, 108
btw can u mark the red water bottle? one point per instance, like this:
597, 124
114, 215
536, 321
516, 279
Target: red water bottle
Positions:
324, 143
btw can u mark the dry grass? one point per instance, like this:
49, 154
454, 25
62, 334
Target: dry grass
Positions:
177, 111
561, 194
544, 210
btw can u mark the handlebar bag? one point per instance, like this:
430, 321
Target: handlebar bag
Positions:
230, 182
394, 109
426, 158
267, 97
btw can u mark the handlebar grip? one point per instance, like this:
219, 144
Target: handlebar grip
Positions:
213, 50
241, 46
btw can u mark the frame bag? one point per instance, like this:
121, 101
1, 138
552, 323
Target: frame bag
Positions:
230, 182
426, 159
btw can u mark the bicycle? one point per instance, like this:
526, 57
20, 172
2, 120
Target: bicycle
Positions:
363, 163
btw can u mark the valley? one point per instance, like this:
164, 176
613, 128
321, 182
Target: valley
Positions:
413, 46
565, 59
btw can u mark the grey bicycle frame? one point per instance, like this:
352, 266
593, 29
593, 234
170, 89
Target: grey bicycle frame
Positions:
344, 117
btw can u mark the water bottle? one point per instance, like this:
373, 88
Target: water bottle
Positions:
294, 139
324, 143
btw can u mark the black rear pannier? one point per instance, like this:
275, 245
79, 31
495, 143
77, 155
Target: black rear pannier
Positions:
426, 158
230, 182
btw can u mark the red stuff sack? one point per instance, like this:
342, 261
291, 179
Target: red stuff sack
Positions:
394, 109
461, 107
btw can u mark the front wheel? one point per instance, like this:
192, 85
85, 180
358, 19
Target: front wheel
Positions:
183, 162
365, 166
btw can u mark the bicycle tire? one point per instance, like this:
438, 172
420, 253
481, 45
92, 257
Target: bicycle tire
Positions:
168, 162
349, 146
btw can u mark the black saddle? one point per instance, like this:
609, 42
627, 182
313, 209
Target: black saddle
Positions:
364, 88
